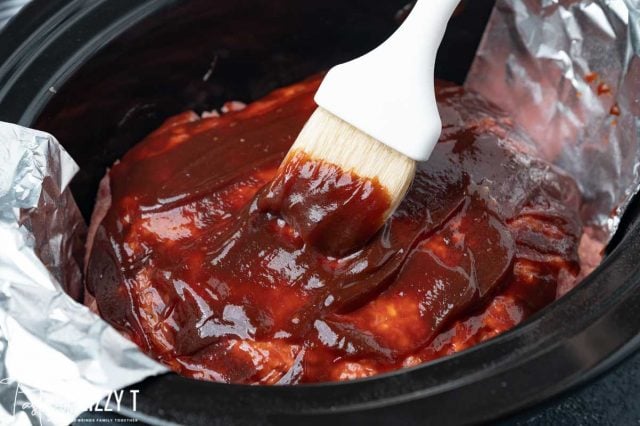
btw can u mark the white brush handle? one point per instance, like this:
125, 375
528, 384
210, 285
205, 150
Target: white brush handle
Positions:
389, 92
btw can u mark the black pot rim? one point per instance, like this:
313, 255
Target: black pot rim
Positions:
571, 341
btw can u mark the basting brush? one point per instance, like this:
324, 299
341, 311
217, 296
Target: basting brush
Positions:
377, 114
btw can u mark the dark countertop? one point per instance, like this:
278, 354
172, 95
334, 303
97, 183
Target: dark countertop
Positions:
611, 399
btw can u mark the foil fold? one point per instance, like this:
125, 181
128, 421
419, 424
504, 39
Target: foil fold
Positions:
57, 358
568, 72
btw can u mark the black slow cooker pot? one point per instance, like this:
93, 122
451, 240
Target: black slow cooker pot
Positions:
101, 74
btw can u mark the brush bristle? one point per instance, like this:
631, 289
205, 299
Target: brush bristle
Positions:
331, 139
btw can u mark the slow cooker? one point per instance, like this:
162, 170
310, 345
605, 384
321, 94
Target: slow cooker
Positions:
101, 74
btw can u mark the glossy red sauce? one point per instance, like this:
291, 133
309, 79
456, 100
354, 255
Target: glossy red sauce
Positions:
223, 273
334, 211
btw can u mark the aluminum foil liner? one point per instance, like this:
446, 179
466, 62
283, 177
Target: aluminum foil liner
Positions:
57, 358
568, 72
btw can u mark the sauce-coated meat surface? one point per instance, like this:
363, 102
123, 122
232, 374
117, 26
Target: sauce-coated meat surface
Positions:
219, 271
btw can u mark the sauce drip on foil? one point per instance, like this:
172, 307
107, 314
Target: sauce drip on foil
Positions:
223, 274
